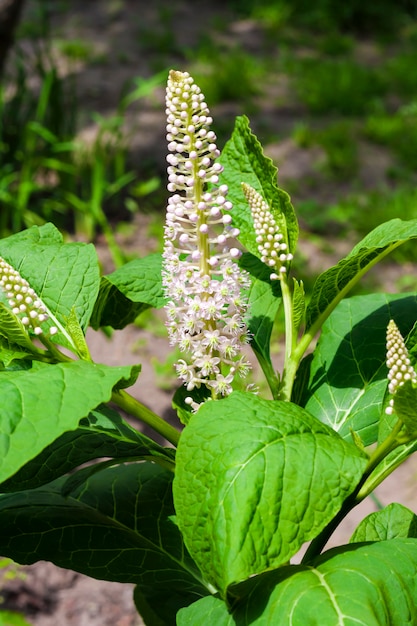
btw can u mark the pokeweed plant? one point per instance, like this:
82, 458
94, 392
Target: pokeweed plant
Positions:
207, 525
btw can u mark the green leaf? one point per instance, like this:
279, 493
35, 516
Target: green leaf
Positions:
244, 162
264, 300
366, 585
210, 611
102, 433
348, 375
129, 291
64, 275
40, 404
75, 331
12, 331
405, 406
298, 305
395, 520
198, 394
10, 353
254, 480
118, 525
336, 282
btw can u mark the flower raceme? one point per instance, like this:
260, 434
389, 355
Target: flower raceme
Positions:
23, 300
271, 244
398, 363
203, 283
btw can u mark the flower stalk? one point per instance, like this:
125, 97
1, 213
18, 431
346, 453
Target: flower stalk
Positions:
273, 250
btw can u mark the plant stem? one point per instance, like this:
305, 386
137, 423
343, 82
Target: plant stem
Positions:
129, 404
290, 364
360, 493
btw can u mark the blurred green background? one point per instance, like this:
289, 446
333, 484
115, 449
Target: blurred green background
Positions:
330, 89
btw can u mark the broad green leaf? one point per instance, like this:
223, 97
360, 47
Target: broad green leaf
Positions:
64, 275
363, 585
159, 606
210, 611
395, 520
40, 404
244, 162
348, 375
255, 479
118, 525
264, 300
128, 291
102, 433
336, 282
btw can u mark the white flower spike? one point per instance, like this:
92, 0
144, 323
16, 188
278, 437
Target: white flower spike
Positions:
202, 281
398, 363
271, 245
23, 300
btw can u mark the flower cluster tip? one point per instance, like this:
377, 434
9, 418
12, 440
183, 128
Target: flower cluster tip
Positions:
398, 363
23, 300
271, 243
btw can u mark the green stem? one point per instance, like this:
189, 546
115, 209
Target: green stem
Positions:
269, 372
290, 364
361, 491
59, 356
312, 331
129, 404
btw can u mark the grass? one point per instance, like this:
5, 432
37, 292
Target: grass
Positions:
397, 132
341, 98
227, 75
336, 86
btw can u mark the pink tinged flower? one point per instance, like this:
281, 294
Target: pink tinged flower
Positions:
201, 278
398, 363
272, 248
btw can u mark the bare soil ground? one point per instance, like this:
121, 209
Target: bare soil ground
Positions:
48, 595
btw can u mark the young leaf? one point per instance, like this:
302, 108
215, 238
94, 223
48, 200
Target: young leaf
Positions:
64, 275
244, 162
348, 375
101, 433
40, 404
128, 291
117, 525
395, 520
76, 333
233, 510
299, 305
336, 282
